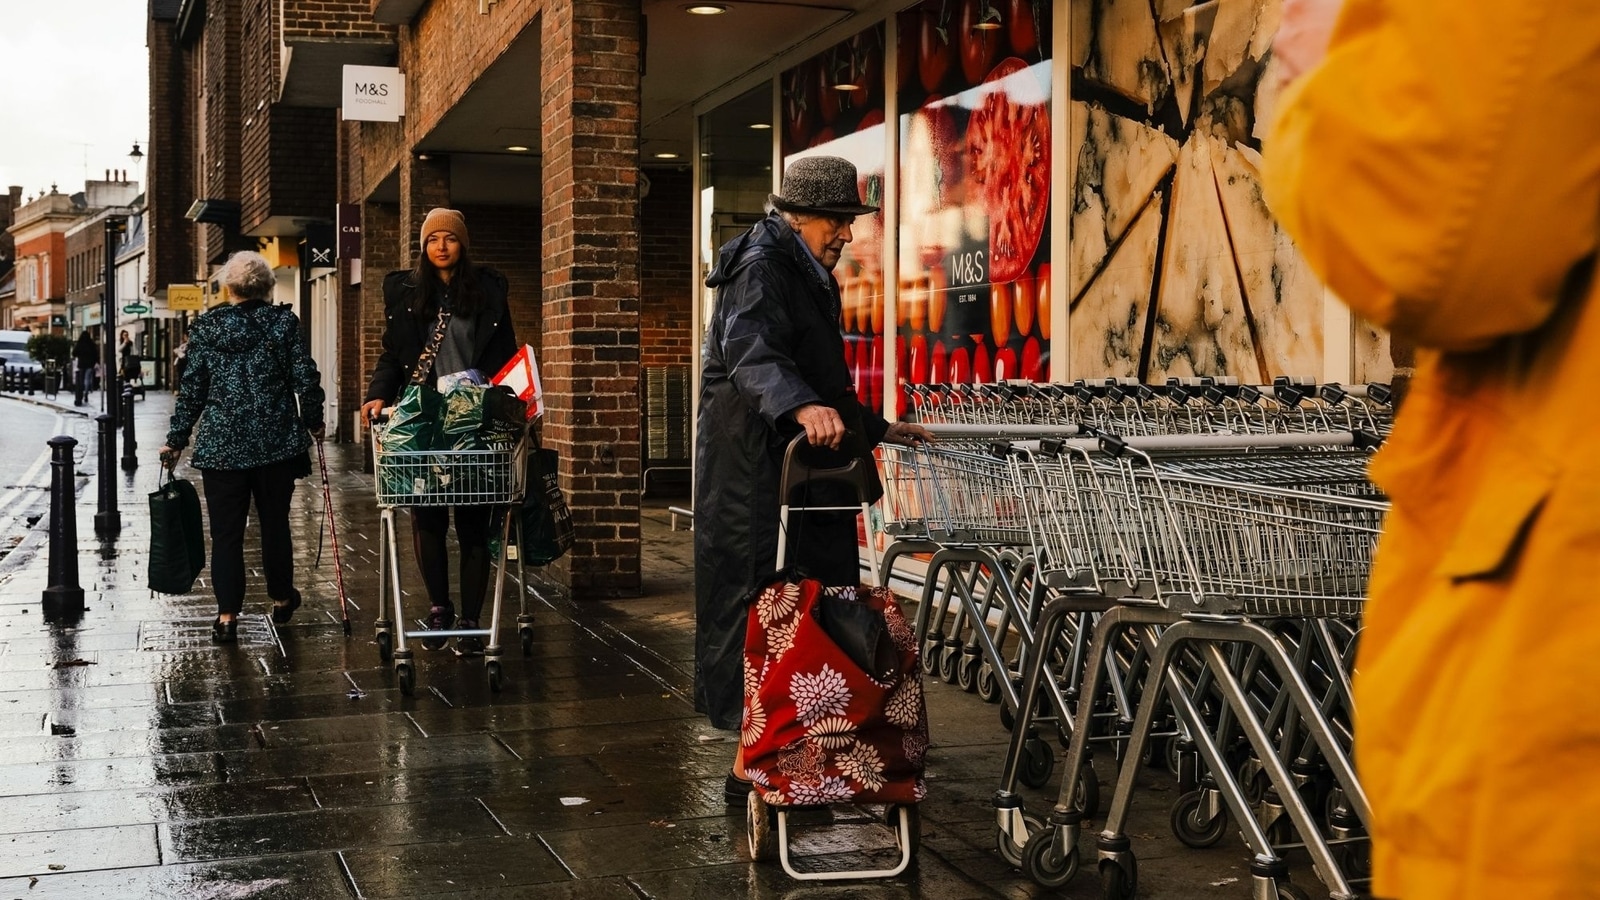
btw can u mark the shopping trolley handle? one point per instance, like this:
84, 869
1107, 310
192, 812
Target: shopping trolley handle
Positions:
797, 472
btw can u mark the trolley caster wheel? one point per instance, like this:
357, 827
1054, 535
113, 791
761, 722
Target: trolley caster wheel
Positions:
1087, 796
385, 646
1190, 828
407, 677
988, 684
496, 676
1355, 860
1119, 878
913, 835
1010, 851
931, 651
526, 634
949, 664
1038, 761
1007, 718
1287, 891
761, 823
967, 673
1044, 864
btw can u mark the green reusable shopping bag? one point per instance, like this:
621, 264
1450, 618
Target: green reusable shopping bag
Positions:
177, 537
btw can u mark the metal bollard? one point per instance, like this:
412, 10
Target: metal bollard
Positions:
107, 521
63, 599
130, 459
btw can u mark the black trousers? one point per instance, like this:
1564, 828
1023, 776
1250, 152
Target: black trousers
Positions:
429, 526
228, 496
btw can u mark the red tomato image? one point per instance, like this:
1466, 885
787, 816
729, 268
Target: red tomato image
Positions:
937, 289
866, 65
980, 363
1032, 361
825, 72
799, 103
916, 370
874, 303
870, 118
1022, 303
823, 136
1022, 27
937, 362
960, 366
905, 47
850, 354
902, 364
875, 374
1042, 280
934, 53
1000, 304
914, 300
847, 315
979, 46
859, 369
1008, 154
1005, 365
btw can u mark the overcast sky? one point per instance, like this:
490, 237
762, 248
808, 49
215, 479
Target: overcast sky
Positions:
74, 91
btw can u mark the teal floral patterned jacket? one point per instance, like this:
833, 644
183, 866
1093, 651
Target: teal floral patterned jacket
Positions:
247, 367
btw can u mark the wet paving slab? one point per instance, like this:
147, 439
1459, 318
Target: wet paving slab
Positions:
291, 766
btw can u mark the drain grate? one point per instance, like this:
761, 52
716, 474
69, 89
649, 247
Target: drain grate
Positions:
195, 634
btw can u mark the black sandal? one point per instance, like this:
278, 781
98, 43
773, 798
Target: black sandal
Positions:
225, 632
735, 790
283, 612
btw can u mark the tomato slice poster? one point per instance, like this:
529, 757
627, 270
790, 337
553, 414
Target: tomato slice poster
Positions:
974, 169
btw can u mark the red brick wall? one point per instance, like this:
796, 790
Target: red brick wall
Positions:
329, 19
589, 76
220, 59
380, 253
288, 154
501, 236
665, 263
169, 161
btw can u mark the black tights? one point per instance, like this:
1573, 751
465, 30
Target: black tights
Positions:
429, 525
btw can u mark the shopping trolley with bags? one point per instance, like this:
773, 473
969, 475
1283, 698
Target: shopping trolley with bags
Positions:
493, 476
833, 711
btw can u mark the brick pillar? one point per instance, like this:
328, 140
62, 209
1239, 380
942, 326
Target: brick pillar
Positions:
424, 184
380, 254
589, 78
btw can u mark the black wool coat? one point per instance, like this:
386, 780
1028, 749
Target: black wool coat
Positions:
404, 333
774, 344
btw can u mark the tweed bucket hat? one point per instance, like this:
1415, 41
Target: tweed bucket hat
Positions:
823, 185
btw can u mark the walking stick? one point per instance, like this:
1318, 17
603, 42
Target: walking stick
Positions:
333, 533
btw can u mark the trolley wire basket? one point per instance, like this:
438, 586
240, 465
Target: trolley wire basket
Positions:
495, 475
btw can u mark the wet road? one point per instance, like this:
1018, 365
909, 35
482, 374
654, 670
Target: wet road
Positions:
25, 463
138, 761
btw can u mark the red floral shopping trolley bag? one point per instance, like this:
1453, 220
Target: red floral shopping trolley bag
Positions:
833, 705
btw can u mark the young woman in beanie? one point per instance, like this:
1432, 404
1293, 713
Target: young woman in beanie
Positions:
478, 336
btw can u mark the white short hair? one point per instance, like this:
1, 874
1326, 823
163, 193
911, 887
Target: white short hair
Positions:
248, 276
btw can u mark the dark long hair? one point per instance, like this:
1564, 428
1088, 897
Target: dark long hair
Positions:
469, 288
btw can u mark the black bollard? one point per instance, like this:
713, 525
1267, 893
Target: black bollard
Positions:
130, 459
106, 520
63, 599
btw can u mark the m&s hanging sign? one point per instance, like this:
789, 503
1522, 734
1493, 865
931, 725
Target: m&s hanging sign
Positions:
373, 94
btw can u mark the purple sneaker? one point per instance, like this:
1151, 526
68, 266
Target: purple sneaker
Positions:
440, 618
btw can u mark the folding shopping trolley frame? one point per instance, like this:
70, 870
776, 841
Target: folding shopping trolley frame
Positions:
767, 825
417, 478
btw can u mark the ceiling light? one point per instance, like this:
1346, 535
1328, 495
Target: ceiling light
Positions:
517, 148
760, 126
666, 155
705, 9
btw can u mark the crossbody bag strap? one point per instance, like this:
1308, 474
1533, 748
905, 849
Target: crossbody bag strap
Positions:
419, 375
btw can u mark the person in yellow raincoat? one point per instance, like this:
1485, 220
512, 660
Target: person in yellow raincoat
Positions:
1440, 168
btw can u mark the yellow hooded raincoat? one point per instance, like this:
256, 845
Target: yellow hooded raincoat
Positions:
1441, 170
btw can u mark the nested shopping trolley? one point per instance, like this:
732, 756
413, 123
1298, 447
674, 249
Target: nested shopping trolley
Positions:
495, 476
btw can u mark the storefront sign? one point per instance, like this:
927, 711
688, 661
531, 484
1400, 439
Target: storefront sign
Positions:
319, 246
349, 225
135, 309
373, 94
186, 297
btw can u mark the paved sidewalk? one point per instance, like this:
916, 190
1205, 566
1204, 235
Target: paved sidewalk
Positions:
138, 760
